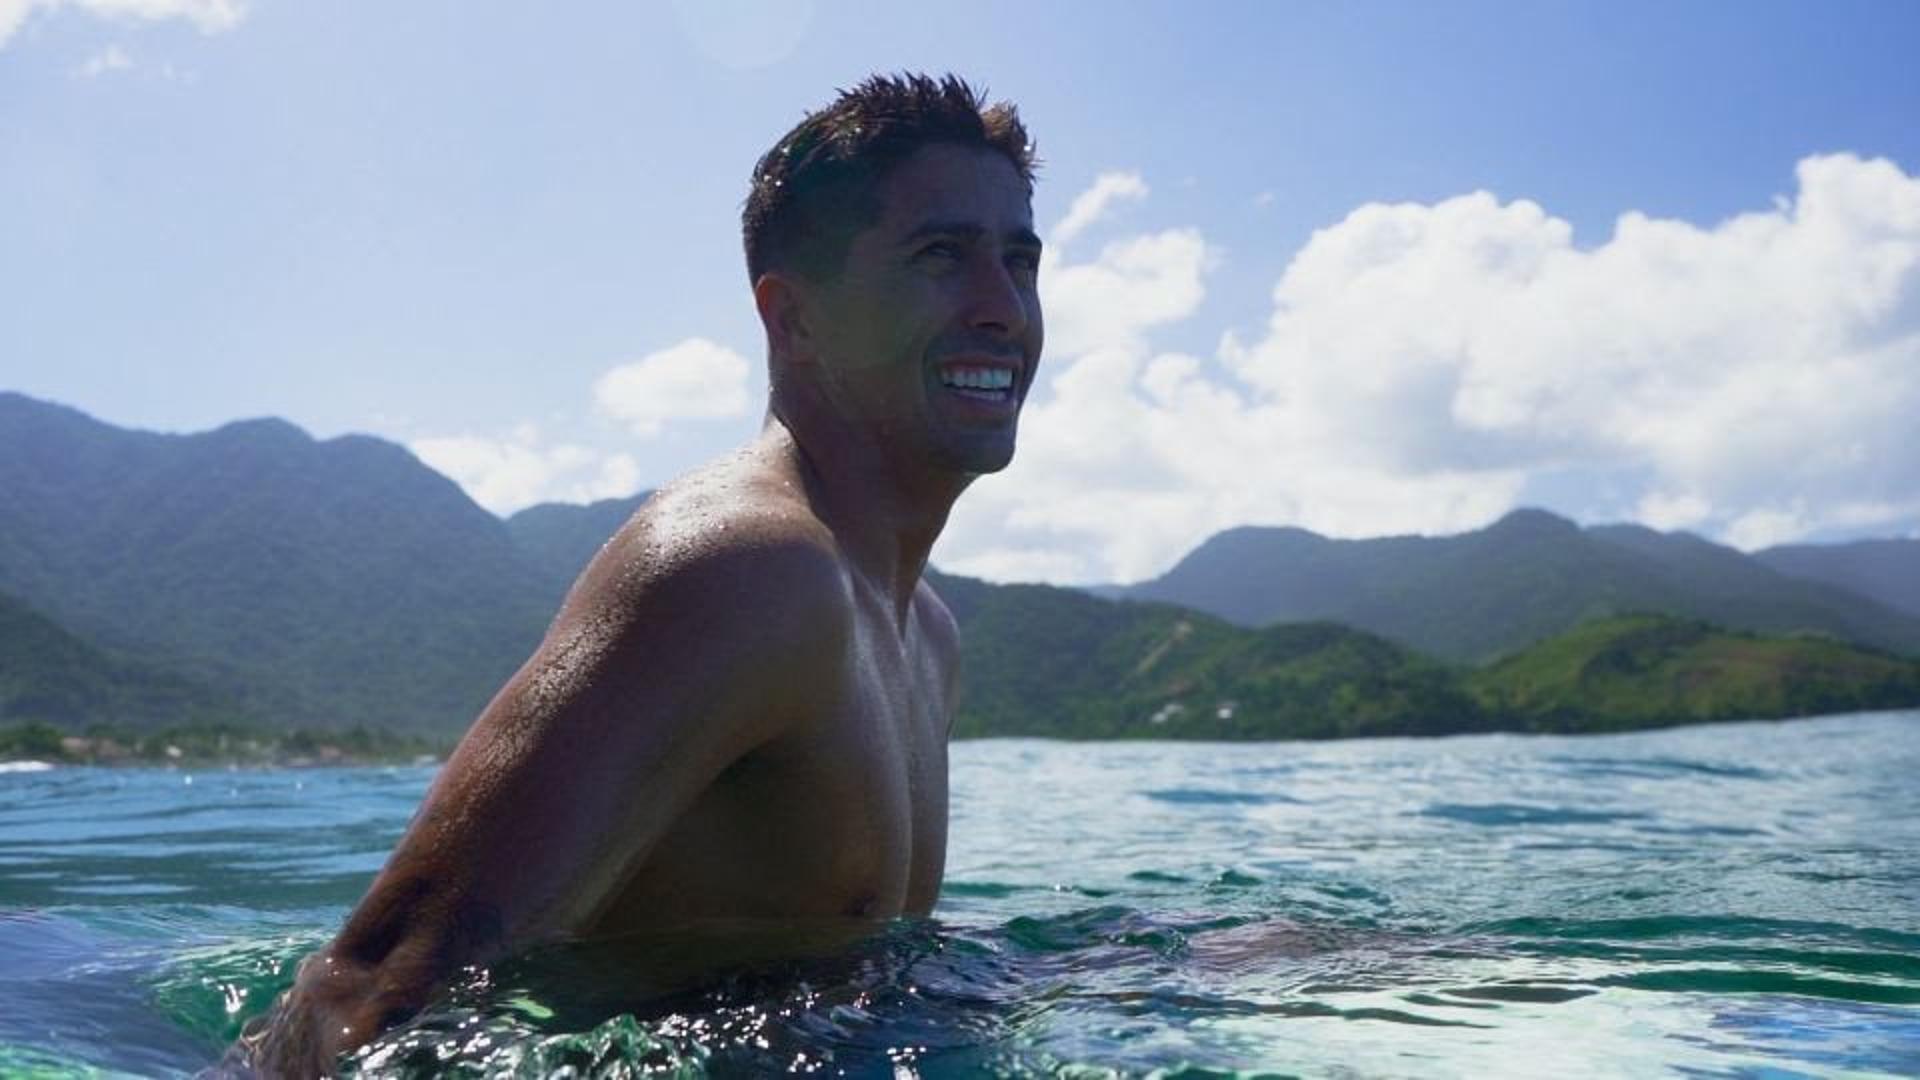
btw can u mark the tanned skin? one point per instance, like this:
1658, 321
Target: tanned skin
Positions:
740, 715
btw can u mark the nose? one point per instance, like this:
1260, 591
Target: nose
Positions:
996, 303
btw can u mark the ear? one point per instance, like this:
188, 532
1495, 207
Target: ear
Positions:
782, 300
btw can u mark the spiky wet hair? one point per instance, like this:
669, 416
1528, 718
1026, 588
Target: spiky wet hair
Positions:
817, 187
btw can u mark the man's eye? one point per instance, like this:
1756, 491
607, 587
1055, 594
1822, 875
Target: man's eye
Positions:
944, 249
1026, 260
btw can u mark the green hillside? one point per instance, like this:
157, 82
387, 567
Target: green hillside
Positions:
1054, 662
49, 676
1041, 661
327, 583
1649, 670
557, 539
255, 575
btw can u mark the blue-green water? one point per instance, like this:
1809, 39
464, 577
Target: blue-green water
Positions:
1740, 900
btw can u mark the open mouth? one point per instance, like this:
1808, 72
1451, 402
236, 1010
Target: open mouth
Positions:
981, 382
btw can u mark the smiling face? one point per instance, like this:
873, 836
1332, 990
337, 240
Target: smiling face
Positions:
929, 336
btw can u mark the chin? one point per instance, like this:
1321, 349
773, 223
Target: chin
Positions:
977, 460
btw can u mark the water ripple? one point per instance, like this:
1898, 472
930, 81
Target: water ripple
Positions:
1734, 900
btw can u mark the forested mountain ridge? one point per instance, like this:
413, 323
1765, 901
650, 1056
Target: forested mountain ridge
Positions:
558, 539
1039, 660
327, 583
1478, 595
1886, 570
47, 675
1044, 661
255, 574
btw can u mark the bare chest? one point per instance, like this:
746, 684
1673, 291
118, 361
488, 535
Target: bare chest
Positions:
846, 815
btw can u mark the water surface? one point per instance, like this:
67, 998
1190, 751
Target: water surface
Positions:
1737, 900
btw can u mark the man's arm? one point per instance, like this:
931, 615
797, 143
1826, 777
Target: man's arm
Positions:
668, 663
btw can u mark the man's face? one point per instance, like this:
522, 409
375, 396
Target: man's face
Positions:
930, 335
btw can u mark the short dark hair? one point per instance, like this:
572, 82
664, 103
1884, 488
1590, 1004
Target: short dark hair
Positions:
815, 188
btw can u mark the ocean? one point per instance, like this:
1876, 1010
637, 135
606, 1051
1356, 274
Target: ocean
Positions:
1736, 900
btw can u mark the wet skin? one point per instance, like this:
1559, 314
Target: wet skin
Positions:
740, 715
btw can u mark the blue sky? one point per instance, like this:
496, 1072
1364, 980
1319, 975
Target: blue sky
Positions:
1363, 268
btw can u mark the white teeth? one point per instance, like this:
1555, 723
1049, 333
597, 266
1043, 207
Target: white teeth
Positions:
977, 378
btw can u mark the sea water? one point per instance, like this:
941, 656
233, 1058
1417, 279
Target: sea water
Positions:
1736, 900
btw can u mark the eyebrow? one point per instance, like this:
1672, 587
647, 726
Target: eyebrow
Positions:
1021, 237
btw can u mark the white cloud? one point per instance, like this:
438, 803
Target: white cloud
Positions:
1134, 284
112, 58
1756, 380
1132, 287
12, 14
694, 380
1771, 358
1666, 511
1767, 526
211, 16
1091, 205
518, 470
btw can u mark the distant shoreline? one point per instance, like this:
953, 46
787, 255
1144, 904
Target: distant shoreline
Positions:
335, 756
34, 765
213, 746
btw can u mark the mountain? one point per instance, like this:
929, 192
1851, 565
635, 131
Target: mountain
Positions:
557, 539
1644, 670
49, 676
1478, 595
326, 584
1041, 661
1883, 570
1038, 660
1738, 590
255, 574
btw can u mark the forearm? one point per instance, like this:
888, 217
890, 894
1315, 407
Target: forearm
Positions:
371, 977
331, 1009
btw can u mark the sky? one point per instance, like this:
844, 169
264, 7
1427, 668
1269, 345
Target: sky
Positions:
1366, 269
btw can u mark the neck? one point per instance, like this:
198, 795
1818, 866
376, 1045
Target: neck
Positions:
885, 513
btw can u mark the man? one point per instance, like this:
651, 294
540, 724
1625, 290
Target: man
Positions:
740, 714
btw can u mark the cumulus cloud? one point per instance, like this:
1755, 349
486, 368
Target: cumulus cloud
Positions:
1762, 364
1091, 205
694, 380
1756, 380
211, 16
1134, 285
520, 469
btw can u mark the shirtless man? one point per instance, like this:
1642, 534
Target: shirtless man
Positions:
740, 714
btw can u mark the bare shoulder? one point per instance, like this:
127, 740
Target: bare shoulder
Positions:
734, 543
942, 634
937, 622
724, 527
